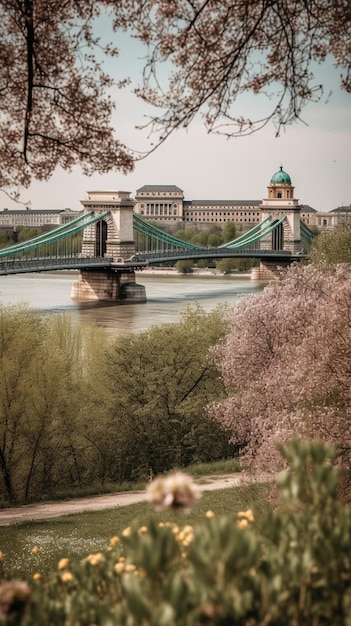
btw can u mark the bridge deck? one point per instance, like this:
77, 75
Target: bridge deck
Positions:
138, 261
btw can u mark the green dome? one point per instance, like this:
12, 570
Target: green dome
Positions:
281, 177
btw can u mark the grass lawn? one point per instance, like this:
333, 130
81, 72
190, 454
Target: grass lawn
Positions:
76, 536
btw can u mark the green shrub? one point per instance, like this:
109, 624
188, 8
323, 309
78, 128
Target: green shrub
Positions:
292, 568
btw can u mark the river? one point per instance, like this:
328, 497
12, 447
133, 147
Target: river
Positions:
168, 295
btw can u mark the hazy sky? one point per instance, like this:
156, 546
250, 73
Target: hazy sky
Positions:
316, 153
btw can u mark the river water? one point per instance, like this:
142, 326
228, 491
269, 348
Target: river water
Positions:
168, 295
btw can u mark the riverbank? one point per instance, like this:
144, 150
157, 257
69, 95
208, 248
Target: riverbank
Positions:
171, 271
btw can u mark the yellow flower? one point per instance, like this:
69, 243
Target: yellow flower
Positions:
114, 541
119, 568
243, 523
186, 535
121, 559
37, 576
210, 514
1, 555
130, 567
246, 515
127, 532
66, 577
95, 559
35, 550
63, 563
142, 530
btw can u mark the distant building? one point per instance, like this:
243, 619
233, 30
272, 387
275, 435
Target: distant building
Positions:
165, 204
342, 214
160, 202
37, 217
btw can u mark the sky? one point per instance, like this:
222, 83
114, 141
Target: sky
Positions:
315, 152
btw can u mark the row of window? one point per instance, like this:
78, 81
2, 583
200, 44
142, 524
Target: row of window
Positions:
28, 221
160, 209
199, 207
158, 193
232, 214
158, 205
224, 219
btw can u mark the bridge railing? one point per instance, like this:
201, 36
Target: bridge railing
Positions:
18, 266
211, 253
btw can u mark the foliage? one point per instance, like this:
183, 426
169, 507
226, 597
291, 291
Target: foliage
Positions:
28, 232
7, 237
332, 246
150, 415
42, 442
226, 265
187, 234
78, 411
240, 265
229, 232
221, 51
184, 267
286, 364
290, 568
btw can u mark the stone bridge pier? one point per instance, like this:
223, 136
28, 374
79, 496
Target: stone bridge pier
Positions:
111, 237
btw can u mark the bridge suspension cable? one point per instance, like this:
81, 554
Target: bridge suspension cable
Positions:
44, 236
306, 232
53, 236
257, 237
242, 238
147, 229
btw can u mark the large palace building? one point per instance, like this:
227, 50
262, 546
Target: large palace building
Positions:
165, 205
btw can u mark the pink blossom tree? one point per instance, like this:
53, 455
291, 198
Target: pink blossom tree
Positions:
286, 365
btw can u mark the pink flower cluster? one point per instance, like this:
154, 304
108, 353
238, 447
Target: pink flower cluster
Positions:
286, 365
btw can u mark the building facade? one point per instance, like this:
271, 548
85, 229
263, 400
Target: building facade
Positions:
160, 203
36, 217
166, 204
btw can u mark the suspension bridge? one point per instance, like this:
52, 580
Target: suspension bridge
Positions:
110, 242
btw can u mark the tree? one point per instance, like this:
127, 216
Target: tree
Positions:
226, 265
157, 385
332, 246
19, 337
44, 444
55, 102
184, 267
286, 364
221, 51
229, 232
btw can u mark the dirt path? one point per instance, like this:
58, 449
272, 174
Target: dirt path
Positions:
49, 510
